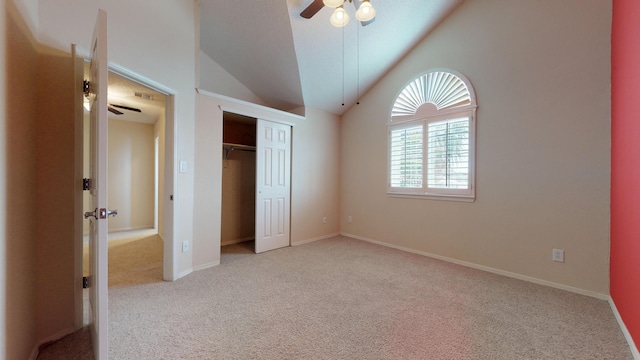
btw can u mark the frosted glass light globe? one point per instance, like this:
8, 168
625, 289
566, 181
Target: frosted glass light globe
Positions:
365, 12
339, 18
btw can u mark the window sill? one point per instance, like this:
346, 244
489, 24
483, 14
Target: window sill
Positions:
459, 198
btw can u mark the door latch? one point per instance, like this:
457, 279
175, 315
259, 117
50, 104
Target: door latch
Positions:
92, 214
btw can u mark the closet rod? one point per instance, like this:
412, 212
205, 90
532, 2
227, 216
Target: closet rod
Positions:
228, 148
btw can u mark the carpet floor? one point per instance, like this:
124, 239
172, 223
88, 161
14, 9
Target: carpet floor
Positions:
342, 298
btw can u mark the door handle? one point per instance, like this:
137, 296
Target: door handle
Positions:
102, 214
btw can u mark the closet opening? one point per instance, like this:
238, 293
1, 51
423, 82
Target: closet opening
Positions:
238, 184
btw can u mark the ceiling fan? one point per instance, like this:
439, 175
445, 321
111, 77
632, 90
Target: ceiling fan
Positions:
365, 13
112, 109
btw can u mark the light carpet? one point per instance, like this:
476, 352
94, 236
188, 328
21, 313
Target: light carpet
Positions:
132, 260
342, 298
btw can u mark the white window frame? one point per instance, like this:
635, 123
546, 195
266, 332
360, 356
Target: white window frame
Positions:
415, 114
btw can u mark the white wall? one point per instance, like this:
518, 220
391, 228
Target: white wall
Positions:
541, 72
158, 44
215, 79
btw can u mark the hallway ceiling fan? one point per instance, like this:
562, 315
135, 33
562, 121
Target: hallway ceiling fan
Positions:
112, 109
365, 13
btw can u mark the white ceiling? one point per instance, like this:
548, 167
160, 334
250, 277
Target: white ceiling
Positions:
289, 61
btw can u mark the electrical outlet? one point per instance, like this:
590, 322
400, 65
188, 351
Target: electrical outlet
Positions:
558, 255
324, 219
185, 246
349, 219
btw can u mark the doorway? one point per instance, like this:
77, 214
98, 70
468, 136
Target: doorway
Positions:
238, 183
139, 124
256, 183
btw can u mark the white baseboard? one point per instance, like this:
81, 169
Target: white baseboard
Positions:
50, 339
131, 228
302, 242
183, 274
207, 265
487, 269
625, 331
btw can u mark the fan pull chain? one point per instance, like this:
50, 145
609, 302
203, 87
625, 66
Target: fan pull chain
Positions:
358, 65
343, 56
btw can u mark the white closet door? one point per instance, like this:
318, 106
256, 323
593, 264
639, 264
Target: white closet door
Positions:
273, 185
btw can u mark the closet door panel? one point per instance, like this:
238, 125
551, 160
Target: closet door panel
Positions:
273, 185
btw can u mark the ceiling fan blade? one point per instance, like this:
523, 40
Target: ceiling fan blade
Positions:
117, 112
127, 108
312, 9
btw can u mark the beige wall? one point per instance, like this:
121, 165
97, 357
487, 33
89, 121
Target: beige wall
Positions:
19, 175
541, 72
208, 183
238, 197
315, 176
39, 176
55, 196
131, 175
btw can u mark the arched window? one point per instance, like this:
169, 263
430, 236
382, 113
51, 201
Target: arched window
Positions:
432, 138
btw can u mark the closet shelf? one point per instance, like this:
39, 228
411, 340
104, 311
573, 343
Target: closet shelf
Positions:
229, 147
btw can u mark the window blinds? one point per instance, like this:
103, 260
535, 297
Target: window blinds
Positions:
406, 157
448, 154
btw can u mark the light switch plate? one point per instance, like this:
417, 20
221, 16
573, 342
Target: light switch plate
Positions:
183, 166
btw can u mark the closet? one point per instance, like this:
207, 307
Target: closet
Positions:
256, 182
238, 179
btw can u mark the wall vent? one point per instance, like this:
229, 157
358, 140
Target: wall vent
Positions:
144, 96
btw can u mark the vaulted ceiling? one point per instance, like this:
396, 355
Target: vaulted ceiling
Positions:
289, 61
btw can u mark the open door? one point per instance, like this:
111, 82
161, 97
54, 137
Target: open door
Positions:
98, 250
273, 185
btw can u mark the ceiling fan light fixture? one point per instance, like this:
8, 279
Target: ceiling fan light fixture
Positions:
333, 3
339, 18
366, 11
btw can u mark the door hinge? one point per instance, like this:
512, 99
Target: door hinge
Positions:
171, 197
86, 87
86, 184
85, 282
